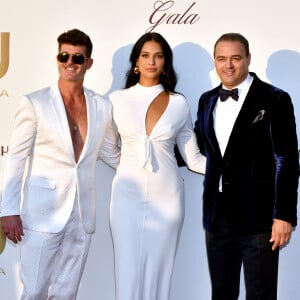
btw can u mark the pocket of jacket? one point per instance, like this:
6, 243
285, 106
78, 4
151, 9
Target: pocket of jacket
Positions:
42, 182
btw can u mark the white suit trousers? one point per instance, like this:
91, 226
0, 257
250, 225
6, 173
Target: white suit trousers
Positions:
52, 263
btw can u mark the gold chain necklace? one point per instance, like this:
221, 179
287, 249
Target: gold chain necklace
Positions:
75, 121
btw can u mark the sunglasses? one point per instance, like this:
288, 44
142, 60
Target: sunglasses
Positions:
77, 58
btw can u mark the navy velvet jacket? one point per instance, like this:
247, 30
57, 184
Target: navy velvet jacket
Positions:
260, 166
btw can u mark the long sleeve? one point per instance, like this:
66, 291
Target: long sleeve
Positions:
188, 148
110, 151
23, 136
285, 145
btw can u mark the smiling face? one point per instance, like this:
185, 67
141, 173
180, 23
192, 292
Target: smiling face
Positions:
151, 63
69, 71
231, 63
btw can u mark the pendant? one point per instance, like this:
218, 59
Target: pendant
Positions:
75, 127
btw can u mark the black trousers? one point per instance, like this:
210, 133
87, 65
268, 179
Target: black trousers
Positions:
227, 253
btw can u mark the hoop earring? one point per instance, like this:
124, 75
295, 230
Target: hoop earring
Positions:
136, 70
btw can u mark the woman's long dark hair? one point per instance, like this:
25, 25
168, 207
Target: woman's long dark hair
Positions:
168, 78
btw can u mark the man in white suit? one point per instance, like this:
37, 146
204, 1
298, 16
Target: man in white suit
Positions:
62, 130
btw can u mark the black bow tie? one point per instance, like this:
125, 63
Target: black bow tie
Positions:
224, 94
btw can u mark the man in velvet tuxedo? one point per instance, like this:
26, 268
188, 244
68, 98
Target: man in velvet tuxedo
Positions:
61, 131
246, 129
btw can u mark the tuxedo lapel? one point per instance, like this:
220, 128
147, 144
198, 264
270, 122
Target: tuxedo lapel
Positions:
251, 109
209, 123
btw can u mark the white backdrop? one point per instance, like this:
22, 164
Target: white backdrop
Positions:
191, 28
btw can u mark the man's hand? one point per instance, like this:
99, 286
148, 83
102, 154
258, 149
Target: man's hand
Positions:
281, 233
12, 228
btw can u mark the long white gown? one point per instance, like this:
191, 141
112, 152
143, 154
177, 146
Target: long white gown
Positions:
147, 201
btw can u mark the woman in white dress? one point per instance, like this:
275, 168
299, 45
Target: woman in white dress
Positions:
147, 202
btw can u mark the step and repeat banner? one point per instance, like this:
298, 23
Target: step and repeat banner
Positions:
29, 30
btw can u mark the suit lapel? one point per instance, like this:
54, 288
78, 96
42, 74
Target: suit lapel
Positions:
62, 121
91, 120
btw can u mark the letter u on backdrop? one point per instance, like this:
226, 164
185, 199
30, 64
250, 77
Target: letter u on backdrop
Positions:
4, 55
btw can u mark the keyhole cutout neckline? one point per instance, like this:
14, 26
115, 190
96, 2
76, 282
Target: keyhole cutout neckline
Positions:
156, 110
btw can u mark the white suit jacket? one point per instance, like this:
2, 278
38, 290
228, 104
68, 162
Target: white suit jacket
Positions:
41, 133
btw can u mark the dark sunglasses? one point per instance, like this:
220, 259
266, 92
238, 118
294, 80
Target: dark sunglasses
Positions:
77, 58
